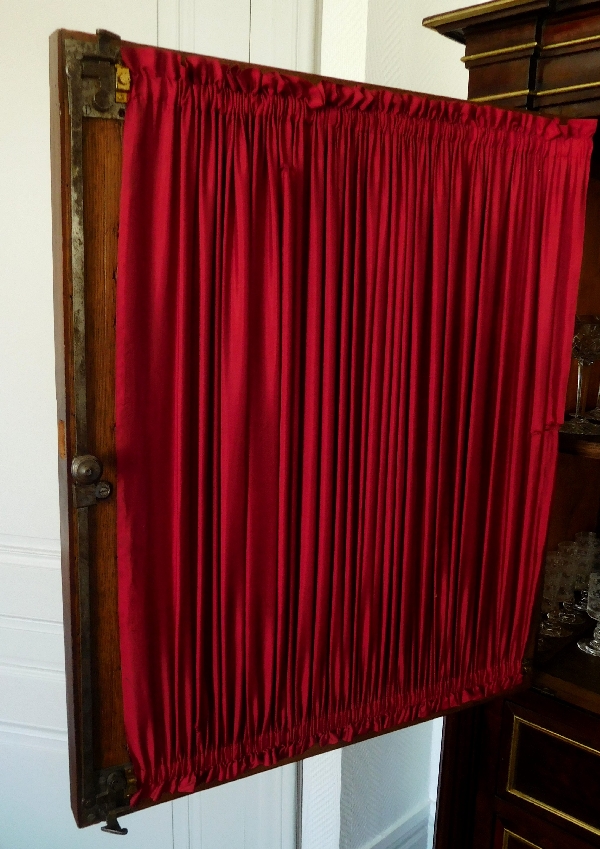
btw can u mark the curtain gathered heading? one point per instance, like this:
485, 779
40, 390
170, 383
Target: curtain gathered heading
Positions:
344, 319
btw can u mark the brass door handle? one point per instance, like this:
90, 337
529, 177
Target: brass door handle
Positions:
86, 468
86, 471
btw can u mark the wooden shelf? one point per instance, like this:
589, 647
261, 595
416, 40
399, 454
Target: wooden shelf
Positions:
583, 446
570, 674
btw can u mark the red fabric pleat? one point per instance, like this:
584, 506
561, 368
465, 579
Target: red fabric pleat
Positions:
343, 329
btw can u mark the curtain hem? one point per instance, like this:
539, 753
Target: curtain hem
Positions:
344, 727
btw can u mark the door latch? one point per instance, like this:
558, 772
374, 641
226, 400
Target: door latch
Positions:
86, 471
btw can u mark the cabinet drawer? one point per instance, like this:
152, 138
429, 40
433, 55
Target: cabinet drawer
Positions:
569, 74
554, 769
516, 830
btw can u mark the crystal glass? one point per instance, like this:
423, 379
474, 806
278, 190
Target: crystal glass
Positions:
589, 546
593, 646
586, 350
573, 561
552, 594
587, 538
594, 414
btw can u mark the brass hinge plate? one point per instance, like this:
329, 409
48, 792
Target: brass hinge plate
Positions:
97, 79
123, 83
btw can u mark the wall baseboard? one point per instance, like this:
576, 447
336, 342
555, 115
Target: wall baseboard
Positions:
410, 833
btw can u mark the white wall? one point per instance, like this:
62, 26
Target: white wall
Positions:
259, 812
385, 790
382, 42
378, 794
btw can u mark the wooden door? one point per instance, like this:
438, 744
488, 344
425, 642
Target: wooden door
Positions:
89, 100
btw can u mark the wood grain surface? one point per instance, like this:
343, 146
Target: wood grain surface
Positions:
102, 146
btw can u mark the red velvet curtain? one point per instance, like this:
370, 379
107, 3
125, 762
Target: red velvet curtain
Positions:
343, 329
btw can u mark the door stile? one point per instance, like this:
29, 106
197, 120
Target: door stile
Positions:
83, 87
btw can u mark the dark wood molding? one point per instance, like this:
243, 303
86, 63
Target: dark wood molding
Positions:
458, 778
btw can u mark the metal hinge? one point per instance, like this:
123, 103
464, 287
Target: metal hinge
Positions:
114, 788
102, 83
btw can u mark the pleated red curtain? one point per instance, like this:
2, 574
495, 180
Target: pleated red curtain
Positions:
343, 329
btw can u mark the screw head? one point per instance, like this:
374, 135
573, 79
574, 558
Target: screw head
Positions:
103, 489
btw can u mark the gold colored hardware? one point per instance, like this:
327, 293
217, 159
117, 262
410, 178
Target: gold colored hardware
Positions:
510, 784
434, 21
499, 52
566, 88
573, 41
508, 834
123, 83
503, 96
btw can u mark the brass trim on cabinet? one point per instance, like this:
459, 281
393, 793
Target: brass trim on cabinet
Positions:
508, 834
500, 51
573, 41
566, 88
537, 803
504, 96
468, 11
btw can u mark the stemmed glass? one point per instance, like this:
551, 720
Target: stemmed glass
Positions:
589, 555
553, 593
571, 554
594, 414
586, 350
593, 608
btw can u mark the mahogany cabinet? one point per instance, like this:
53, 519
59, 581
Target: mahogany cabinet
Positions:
524, 771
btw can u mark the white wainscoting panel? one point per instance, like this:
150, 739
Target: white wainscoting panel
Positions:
167, 24
33, 698
282, 34
31, 643
216, 28
253, 813
30, 579
344, 38
211, 27
269, 32
34, 801
321, 790
32, 680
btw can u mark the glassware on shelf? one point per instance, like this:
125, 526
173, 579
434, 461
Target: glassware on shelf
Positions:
584, 538
589, 545
594, 415
552, 595
573, 560
593, 646
586, 350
